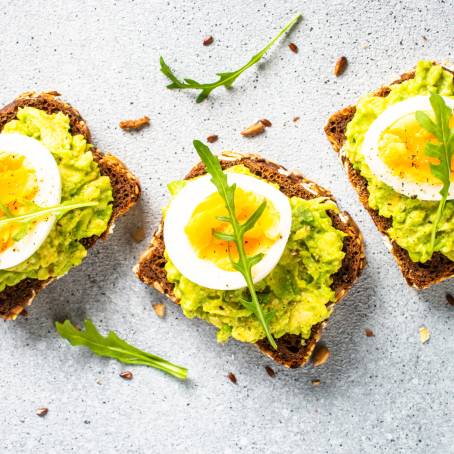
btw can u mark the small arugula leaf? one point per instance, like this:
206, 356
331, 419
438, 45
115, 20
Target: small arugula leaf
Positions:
112, 346
255, 216
41, 212
245, 263
442, 151
227, 78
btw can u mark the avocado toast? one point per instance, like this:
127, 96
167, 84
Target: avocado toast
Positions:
344, 262
407, 232
86, 173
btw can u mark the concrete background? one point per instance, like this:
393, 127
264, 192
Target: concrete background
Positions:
385, 394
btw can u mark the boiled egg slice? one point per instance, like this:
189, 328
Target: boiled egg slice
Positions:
29, 176
394, 149
193, 215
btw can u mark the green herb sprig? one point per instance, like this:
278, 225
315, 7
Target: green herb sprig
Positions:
226, 79
40, 212
112, 346
245, 263
443, 151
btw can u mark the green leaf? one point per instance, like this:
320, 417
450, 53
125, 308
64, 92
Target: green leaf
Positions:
41, 212
245, 263
227, 78
255, 216
223, 236
443, 151
112, 346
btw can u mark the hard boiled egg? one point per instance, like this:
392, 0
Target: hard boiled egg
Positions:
193, 216
394, 149
29, 177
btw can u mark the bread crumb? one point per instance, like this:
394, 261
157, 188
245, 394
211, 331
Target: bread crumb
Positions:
213, 138
293, 47
41, 412
253, 130
208, 40
129, 125
270, 371
138, 234
231, 376
450, 299
321, 355
424, 334
267, 123
369, 333
315, 382
340, 66
296, 119
126, 375
160, 309
52, 93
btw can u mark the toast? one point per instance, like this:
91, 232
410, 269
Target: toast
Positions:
418, 275
125, 190
291, 352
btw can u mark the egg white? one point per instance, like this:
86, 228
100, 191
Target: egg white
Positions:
203, 272
39, 158
422, 191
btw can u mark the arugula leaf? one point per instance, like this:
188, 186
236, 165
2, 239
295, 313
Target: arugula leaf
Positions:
245, 263
443, 151
112, 346
226, 79
40, 212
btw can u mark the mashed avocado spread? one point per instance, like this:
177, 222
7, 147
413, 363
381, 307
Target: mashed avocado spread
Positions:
411, 218
81, 182
298, 289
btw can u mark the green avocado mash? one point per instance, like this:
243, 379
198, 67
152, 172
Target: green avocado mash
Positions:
81, 182
411, 218
298, 289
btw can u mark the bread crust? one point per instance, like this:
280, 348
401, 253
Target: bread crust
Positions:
290, 353
418, 275
125, 190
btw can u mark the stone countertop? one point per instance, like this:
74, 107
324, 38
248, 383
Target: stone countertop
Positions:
382, 394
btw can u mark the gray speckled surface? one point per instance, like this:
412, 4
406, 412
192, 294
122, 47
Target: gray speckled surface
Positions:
386, 394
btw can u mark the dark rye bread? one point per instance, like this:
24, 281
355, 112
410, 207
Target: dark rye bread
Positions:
291, 353
125, 186
418, 275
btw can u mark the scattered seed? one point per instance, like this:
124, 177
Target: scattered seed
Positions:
138, 234
293, 47
296, 119
270, 371
253, 130
160, 309
450, 299
41, 412
232, 377
341, 66
126, 375
208, 40
424, 38
320, 356
265, 122
130, 125
315, 382
212, 139
369, 333
424, 334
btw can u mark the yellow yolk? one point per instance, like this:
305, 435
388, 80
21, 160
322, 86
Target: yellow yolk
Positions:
18, 187
204, 221
401, 147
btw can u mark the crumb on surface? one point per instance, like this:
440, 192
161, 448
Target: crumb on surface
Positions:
130, 125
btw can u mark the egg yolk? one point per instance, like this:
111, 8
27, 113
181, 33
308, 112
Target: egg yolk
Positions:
18, 187
204, 222
401, 148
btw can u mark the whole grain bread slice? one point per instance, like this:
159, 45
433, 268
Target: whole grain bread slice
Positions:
125, 187
291, 352
418, 275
